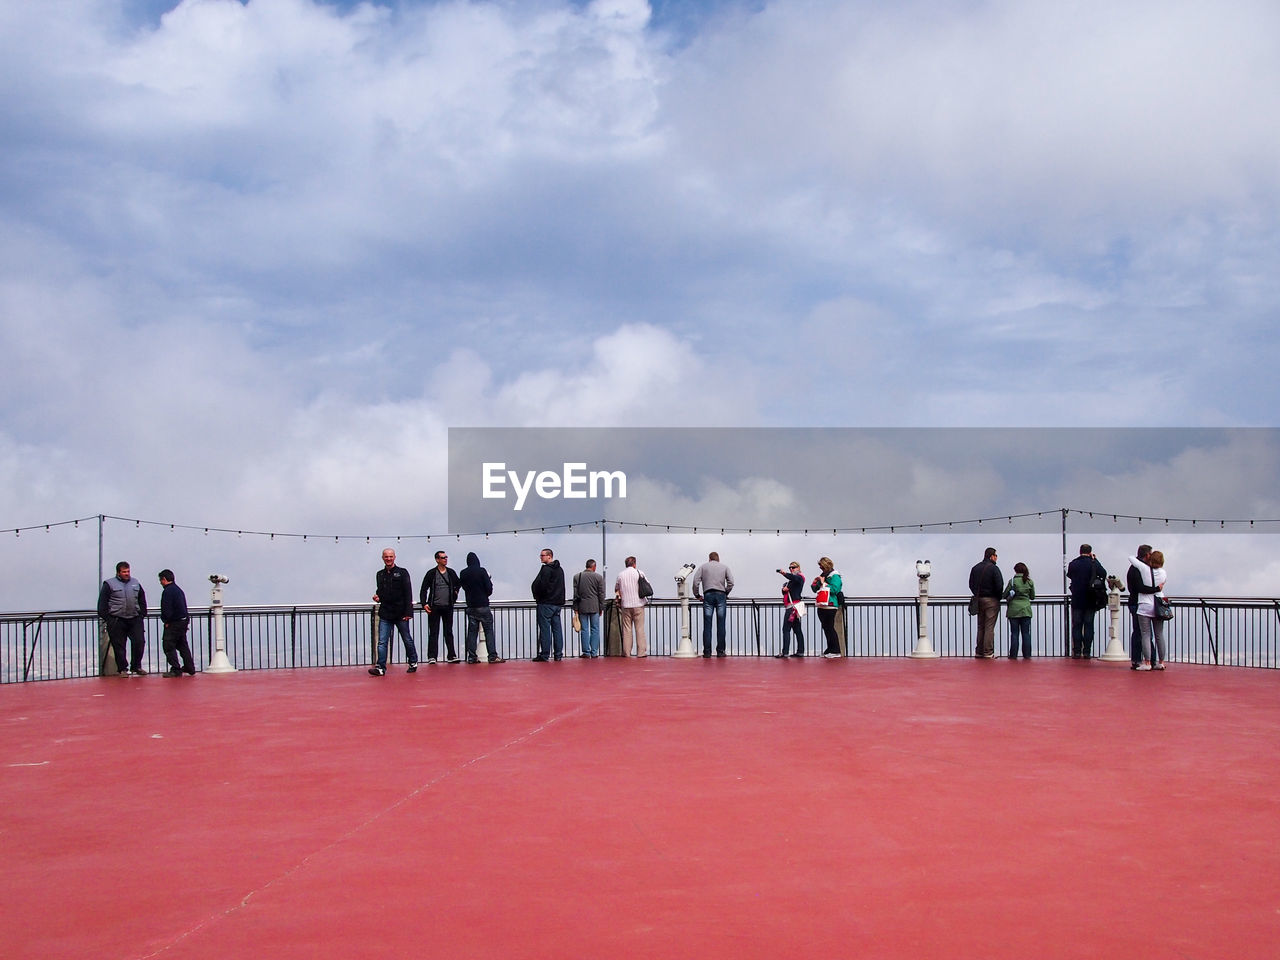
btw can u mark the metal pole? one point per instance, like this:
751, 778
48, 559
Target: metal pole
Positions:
1066, 601
100, 576
604, 555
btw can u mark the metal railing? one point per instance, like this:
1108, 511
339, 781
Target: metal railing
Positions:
65, 645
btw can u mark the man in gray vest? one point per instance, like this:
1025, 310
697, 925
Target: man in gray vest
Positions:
588, 603
122, 604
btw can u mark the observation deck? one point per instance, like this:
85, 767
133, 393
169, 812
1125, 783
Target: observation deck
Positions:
739, 808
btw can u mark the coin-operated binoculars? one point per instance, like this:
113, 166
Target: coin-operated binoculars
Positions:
219, 662
685, 649
924, 648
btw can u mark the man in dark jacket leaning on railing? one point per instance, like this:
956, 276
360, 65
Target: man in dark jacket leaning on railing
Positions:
122, 604
548, 593
986, 583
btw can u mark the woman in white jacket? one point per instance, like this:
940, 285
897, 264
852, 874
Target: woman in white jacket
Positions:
1151, 626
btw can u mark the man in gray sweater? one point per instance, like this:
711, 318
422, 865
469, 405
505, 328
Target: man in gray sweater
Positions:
712, 584
588, 604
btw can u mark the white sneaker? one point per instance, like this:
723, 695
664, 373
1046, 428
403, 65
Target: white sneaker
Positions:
1145, 666
831, 656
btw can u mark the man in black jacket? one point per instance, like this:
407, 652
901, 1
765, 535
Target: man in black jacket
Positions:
1081, 572
548, 592
176, 619
438, 595
394, 596
986, 582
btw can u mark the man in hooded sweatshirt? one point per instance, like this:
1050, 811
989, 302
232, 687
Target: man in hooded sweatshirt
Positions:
548, 592
477, 587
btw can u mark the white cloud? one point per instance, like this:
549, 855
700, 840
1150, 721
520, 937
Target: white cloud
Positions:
258, 257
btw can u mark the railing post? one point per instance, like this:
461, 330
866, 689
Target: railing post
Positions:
293, 637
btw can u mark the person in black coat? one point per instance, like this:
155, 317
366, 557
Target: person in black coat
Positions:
1081, 573
393, 592
986, 583
176, 618
548, 593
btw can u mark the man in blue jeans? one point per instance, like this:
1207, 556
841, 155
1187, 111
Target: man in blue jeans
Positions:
712, 584
394, 596
588, 601
548, 593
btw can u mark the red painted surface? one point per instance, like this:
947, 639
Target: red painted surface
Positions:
739, 808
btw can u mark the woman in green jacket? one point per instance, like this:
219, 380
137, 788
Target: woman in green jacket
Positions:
1020, 592
828, 580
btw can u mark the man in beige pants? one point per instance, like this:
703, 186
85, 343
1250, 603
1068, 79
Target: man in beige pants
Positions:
626, 592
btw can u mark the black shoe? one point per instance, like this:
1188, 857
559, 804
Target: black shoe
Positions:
431, 659
376, 671
472, 658
797, 654
781, 656
539, 659
706, 656
413, 667
559, 657
496, 659
138, 672
190, 672
583, 656
721, 653
453, 658
172, 672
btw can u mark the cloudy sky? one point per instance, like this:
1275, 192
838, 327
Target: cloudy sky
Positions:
258, 257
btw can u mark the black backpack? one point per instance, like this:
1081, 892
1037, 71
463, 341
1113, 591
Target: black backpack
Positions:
1097, 589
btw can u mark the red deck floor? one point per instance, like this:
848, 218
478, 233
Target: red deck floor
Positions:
739, 808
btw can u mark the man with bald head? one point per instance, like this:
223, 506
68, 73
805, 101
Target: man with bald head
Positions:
395, 612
